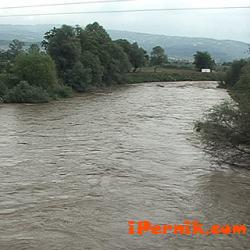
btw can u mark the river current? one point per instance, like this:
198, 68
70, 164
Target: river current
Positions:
74, 172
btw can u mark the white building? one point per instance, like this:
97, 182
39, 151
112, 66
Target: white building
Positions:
206, 70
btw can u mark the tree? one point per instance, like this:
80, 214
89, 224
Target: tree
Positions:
3, 90
158, 57
113, 60
79, 77
15, 48
32, 79
203, 60
36, 69
234, 73
3, 61
34, 48
225, 129
64, 47
137, 55
89, 53
92, 62
25, 93
94, 38
116, 64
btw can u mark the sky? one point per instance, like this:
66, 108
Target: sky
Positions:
219, 24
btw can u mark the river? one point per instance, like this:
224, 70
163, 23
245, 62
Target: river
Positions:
74, 172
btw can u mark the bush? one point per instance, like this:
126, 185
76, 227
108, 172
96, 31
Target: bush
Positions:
36, 68
3, 90
26, 93
92, 62
78, 77
225, 130
233, 74
225, 135
60, 91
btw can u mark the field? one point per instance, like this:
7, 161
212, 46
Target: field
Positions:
170, 75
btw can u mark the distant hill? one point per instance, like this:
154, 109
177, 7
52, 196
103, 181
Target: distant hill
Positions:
176, 47
25, 33
185, 47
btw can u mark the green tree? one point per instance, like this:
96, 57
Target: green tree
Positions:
64, 47
94, 38
34, 48
225, 129
116, 64
158, 57
137, 55
15, 48
203, 60
93, 64
113, 60
36, 69
25, 93
78, 77
4, 63
234, 72
3, 90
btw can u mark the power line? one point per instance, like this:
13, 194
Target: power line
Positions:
63, 4
125, 11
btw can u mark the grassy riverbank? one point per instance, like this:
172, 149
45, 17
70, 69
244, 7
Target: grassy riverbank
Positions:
170, 75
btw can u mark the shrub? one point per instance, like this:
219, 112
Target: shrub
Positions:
60, 91
3, 90
225, 130
78, 77
26, 93
36, 68
233, 74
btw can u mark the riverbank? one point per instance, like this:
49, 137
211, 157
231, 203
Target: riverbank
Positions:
144, 75
173, 75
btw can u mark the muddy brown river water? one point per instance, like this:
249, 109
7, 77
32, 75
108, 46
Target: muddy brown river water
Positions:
74, 172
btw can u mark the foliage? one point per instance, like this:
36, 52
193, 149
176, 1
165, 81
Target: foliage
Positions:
92, 62
78, 77
34, 48
137, 56
117, 64
225, 130
3, 90
35, 68
86, 57
234, 72
32, 78
60, 91
25, 93
203, 60
7, 57
15, 48
114, 61
158, 57
64, 47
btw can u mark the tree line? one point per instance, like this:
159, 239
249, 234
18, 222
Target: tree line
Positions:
71, 59
74, 59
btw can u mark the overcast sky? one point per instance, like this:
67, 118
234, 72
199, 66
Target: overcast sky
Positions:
221, 24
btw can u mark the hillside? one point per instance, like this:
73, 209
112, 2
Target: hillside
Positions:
176, 47
185, 47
